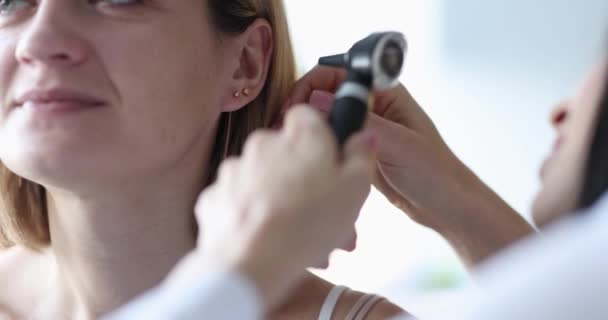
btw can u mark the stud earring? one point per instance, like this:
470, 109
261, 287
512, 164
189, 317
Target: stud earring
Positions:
246, 92
237, 94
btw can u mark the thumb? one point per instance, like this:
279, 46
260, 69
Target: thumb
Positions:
359, 153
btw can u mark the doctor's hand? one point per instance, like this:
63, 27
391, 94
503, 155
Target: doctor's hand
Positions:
285, 204
418, 172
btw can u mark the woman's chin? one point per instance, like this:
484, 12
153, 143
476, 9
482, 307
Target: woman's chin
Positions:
548, 208
540, 212
52, 169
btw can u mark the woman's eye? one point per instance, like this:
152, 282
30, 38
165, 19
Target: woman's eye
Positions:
7, 7
125, 3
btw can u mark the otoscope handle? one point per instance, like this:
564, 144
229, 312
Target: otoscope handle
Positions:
347, 116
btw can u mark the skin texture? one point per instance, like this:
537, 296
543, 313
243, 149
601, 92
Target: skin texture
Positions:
122, 179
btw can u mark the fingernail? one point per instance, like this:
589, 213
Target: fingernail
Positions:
321, 100
370, 139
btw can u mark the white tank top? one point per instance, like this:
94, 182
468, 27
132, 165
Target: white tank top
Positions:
359, 311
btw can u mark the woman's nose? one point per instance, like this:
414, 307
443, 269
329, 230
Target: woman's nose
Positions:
50, 37
560, 113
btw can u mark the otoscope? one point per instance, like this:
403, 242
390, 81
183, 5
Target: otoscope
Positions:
374, 63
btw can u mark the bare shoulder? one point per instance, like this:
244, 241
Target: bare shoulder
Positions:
306, 301
21, 273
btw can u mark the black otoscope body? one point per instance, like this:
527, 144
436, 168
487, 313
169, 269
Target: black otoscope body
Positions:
374, 63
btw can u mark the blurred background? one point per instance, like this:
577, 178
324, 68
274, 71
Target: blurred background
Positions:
488, 73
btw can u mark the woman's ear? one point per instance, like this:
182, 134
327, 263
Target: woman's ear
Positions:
250, 66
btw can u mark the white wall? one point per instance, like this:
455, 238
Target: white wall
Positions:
514, 60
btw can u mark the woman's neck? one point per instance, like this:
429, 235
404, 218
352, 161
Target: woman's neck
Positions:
111, 250
109, 253
116, 246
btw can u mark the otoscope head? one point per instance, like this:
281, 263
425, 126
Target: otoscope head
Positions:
377, 59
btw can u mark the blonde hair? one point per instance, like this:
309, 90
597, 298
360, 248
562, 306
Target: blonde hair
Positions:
23, 208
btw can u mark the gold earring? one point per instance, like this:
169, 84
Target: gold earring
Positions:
246, 92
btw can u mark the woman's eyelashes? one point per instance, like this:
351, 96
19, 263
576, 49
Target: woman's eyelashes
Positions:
119, 3
9, 7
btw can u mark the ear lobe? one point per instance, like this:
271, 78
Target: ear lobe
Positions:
255, 47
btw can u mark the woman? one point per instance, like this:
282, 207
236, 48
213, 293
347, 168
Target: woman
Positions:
419, 174
114, 117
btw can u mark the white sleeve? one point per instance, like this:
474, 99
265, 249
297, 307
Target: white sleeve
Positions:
561, 275
221, 296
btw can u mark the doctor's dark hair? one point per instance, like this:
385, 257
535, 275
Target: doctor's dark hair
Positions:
23, 206
595, 182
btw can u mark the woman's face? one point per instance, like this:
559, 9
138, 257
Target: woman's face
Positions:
563, 172
156, 65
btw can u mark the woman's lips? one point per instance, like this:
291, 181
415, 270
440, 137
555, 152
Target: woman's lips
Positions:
558, 143
56, 100
59, 107
547, 163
